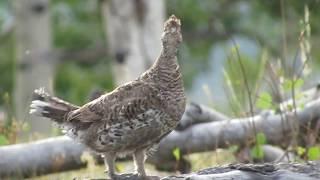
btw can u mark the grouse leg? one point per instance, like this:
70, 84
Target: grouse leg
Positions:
109, 159
139, 158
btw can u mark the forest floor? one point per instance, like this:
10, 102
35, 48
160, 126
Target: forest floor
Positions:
198, 161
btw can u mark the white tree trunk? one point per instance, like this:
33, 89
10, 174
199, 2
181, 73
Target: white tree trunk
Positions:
34, 61
133, 30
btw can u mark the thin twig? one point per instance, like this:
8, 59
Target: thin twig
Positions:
242, 69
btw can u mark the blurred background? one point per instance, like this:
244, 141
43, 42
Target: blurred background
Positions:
77, 48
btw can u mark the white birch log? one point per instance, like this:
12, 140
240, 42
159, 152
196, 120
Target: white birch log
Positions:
222, 134
197, 138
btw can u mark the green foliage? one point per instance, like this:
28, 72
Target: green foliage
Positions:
176, 153
75, 82
7, 68
182, 9
300, 150
238, 81
261, 139
314, 153
77, 24
273, 9
3, 140
288, 84
264, 101
7, 64
257, 150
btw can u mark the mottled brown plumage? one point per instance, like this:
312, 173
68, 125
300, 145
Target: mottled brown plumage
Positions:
133, 117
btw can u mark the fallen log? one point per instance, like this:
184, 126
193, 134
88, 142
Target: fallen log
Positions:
197, 113
40, 157
279, 129
271, 154
35, 158
282, 171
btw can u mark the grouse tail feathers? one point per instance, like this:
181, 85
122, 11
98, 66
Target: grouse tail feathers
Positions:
45, 105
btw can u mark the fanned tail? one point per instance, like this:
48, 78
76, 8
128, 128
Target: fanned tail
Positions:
45, 105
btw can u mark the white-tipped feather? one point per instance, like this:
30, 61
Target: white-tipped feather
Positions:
37, 106
35, 112
40, 90
39, 103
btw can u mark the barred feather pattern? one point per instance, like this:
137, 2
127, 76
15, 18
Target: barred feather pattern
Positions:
132, 118
57, 110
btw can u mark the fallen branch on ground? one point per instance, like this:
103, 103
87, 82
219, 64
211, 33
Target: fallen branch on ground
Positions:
197, 138
223, 134
282, 171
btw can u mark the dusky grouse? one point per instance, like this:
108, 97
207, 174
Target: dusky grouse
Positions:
133, 117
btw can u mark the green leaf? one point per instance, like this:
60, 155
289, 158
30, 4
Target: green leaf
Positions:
176, 153
298, 83
300, 150
264, 101
257, 152
261, 138
314, 153
3, 140
289, 84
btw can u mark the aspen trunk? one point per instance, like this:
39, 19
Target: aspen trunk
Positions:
35, 64
133, 29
